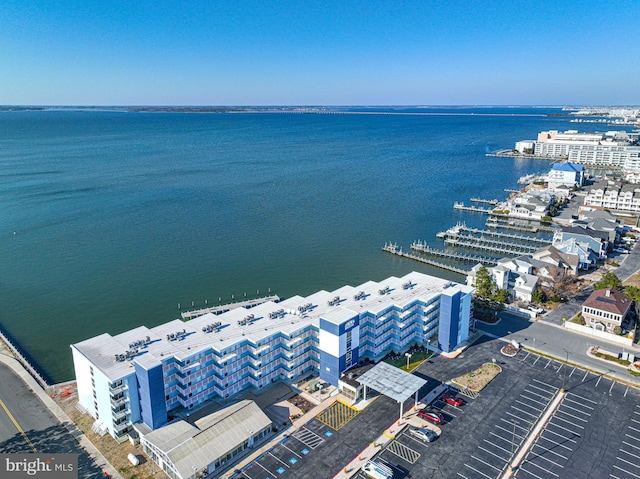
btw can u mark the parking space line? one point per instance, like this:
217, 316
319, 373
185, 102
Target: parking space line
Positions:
598, 381
559, 368
528, 354
629, 435
494, 454
634, 429
546, 391
500, 437
585, 376
567, 421
625, 471
525, 412
561, 435
292, 452
572, 371
529, 405
479, 472
510, 431
582, 398
571, 415
566, 406
634, 464
543, 399
547, 364
536, 360
501, 448
633, 455
279, 460
632, 445
519, 418
550, 451
258, 463
540, 467
529, 472
551, 386
465, 477
612, 384
546, 458
635, 420
555, 442
567, 399
486, 464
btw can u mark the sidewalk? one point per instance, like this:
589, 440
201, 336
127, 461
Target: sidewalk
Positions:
31, 383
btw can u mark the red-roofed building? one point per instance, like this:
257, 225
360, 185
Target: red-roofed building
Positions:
606, 309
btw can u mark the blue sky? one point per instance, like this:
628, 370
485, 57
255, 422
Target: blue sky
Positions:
319, 52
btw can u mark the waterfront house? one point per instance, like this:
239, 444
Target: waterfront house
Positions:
605, 309
550, 257
593, 240
565, 174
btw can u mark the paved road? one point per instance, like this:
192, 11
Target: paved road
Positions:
554, 340
27, 425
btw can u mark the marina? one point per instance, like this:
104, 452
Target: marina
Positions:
424, 248
393, 249
460, 228
515, 225
494, 246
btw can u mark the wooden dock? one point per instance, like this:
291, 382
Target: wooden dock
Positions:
473, 258
493, 246
480, 200
461, 228
393, 249
477, 209
187, 315
510, 224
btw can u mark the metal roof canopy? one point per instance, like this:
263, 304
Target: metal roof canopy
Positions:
391, 381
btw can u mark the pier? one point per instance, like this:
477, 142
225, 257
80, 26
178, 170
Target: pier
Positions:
473, 258
187, 315
480, 200
511, 190
461, 228
393, 249
510, 224
476, 209
494, 246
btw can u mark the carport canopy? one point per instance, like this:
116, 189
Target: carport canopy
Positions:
392, 382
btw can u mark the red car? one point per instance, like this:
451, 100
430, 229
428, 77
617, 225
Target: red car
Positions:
454, 401
431, 416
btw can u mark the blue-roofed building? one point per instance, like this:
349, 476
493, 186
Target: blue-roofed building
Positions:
567, 174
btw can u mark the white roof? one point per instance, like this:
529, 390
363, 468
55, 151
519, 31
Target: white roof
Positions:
191, 339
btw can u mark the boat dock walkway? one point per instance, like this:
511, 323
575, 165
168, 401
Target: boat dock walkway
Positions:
473, 258
187, 315
480, 200
393, 249
494, 246
511, 190
497, 222
460, 206
460, 228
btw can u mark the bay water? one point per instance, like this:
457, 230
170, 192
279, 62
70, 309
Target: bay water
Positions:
110, 220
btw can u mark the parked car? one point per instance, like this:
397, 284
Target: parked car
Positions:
454, 401
424, 434
431, 416
621, 250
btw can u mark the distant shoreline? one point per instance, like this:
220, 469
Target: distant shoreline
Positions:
272, 109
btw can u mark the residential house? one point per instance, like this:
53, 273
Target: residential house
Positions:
605, 309
566, 174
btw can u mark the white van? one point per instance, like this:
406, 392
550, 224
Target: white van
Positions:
377, 470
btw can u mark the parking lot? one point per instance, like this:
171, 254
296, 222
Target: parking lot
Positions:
594, 433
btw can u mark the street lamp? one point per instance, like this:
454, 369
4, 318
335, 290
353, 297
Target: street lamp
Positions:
408, 355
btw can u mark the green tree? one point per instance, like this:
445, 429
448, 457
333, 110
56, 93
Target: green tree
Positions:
538, 296
484, 284
609, 281
633, 292
501, 296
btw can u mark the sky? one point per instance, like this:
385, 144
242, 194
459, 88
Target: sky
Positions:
306, 52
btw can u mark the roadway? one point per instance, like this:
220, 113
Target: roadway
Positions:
28, 426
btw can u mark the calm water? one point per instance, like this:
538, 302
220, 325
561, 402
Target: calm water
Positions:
109, 220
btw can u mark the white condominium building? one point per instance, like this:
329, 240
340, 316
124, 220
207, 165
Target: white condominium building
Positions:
150, 375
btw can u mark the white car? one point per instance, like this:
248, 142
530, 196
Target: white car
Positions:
424, 434
536, 310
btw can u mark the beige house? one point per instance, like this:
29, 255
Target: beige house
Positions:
605, 309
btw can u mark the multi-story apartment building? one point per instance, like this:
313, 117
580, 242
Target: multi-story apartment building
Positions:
148, 375
614, 195
610, 149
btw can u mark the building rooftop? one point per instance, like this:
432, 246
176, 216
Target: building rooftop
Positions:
182, 339
609, 300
